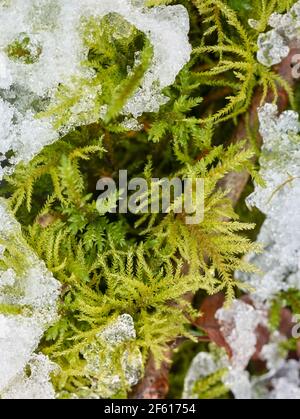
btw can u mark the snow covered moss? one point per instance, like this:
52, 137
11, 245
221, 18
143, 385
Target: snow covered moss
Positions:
112, 360
42, 47
216, 374
283, 383
279, 265
238, 325
28, 297
204, 365
274, 45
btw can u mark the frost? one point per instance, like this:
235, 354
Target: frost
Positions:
56, 25
284, 390
31, 296
107, 375
283, 383
280, 233
273, 45
254, 24
41, 48
23, 134
239, 326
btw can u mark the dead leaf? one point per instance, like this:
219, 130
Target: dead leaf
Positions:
209, 323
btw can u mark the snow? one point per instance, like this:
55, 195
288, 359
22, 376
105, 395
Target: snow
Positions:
273, 46
34, 292
279, 201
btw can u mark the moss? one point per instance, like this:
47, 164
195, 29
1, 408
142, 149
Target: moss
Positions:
143, 265
24, 49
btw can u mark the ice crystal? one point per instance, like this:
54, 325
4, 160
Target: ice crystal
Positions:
7, 278
280, 233
132, 124
23, 134
239, 327
32, 295
41, 48
106, 375
273, 45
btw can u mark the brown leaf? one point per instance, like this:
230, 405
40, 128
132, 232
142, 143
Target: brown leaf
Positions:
286, 322
209, 323
298, 348
155, 384
46, 220
262, 338
211, 326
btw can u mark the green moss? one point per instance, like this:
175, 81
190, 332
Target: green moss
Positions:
111, 264
181, 363
24, 49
